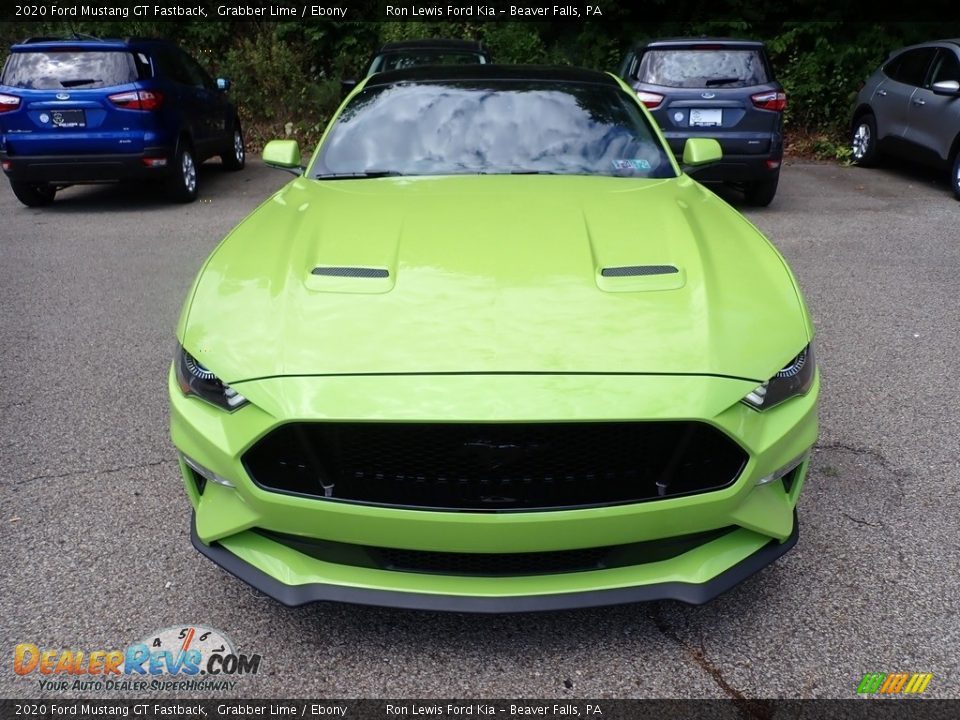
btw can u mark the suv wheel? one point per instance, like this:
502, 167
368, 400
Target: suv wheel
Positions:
182, 183
235, 157
762, 192
33, 195
863, 143
955, 175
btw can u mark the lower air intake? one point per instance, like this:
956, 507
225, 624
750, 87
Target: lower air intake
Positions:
497, 564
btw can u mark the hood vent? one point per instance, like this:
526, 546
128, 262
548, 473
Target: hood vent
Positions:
351, 272
638, 270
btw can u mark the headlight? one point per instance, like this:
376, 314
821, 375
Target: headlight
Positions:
194, 379
795, 379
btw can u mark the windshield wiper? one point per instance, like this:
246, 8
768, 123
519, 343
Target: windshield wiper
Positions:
78, 82
358, 175
713, 82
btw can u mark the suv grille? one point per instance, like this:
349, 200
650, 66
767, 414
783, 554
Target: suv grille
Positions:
495, 467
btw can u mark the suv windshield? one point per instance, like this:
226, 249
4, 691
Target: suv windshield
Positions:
59, 69
493, 127
703, 68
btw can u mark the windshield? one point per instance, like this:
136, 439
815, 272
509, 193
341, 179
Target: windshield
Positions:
492, 127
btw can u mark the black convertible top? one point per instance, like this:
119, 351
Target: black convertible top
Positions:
428, 73
433, 43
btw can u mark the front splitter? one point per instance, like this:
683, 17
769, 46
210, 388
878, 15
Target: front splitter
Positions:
691, 593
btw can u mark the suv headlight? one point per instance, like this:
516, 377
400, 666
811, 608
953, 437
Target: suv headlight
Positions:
194, 379
795, 379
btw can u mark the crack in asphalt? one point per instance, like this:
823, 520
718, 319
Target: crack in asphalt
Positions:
859, 450
862, 522
898, 474
155, 463
751, 709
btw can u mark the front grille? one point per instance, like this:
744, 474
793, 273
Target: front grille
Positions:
495, 467
497, 564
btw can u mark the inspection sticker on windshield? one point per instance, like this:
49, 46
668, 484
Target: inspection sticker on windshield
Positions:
631, 164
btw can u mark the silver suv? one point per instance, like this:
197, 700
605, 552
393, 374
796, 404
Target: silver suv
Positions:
910, 107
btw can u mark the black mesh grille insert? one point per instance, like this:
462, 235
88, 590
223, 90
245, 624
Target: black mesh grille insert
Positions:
354, 272
638, 270
497, 564
495, 467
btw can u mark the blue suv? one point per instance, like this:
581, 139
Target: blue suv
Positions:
722, 88
87, 110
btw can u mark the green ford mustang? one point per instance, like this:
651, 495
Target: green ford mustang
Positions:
491, 351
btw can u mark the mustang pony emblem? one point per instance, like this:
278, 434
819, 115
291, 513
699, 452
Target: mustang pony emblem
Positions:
492, 455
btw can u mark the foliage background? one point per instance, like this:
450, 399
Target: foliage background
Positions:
286, 75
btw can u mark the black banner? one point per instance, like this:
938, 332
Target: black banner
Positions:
739, 709
477, 11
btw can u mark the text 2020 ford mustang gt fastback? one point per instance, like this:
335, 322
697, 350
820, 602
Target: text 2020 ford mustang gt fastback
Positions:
492, 350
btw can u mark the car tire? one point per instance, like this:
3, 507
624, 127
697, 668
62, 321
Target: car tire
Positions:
863, 141
182, 182
955, 175
235, 156
762, 192
33, 195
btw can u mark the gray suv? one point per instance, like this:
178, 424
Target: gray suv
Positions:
721, 88
910, 107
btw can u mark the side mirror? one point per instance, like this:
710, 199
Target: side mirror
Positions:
283, 154
347, 86
223, 84
946, 87
700, 151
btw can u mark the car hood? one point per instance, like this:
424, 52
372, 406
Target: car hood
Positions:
494, 274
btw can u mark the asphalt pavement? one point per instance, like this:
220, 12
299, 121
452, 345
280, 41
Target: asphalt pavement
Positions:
94, 529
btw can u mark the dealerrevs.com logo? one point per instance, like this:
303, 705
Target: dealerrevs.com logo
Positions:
191, 657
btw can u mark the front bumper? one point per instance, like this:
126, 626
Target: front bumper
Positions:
82, 169
314, 591
232, 525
